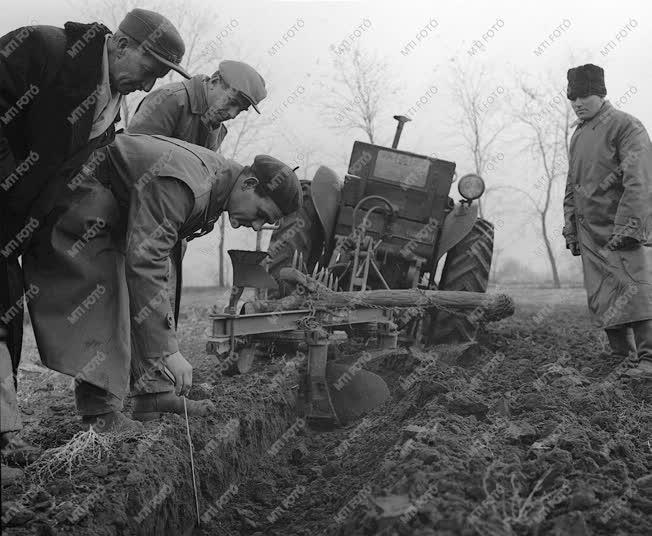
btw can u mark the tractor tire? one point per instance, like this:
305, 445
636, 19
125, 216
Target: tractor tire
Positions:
300, 232
466, 268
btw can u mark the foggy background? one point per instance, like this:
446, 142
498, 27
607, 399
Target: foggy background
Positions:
430, 61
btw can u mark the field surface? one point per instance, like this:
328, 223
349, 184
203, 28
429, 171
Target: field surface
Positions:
531, 434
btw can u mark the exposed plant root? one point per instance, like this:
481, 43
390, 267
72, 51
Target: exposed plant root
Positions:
84, 448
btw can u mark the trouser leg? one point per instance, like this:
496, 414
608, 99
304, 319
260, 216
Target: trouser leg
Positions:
621, 341
93, 400
10, 416
147, 378
151, 387
643, 337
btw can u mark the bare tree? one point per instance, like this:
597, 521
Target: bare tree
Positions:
494, 263
547, 121
479, 113
358, 92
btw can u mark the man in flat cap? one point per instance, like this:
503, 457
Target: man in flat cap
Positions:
194, 111
60, 93
608, 216
147, 193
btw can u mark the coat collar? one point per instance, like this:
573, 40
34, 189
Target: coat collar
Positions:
220, 193
196, 91
85, 44
235, 170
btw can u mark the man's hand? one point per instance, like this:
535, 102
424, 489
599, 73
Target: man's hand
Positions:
181, 370
619, 241
574, 248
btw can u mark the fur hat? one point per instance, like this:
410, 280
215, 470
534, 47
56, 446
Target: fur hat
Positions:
586, 80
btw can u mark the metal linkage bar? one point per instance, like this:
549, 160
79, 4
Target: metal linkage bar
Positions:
259, 323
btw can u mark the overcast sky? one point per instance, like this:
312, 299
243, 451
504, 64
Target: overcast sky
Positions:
448, 29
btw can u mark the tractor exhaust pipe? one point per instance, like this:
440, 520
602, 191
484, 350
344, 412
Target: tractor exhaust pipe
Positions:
402, 119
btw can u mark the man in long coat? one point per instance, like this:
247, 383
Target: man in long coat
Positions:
60, 92
107, 246
608, 216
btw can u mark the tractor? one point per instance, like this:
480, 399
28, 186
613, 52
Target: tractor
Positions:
351, 262
387, 226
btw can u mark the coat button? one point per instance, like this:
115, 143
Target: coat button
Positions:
170, 320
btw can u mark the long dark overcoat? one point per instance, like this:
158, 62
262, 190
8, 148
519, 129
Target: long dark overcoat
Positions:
48, 77
609, 190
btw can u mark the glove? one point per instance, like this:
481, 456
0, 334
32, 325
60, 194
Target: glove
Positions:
622, 242
574, 247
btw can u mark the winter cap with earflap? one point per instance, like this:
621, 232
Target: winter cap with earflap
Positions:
279, 182
586, 80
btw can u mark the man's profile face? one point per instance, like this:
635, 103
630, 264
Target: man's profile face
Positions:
133, 69
586, 107
247, 208
223, 103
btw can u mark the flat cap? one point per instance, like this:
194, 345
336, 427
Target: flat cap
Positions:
585, 80
279, 182
157, 35
245, 79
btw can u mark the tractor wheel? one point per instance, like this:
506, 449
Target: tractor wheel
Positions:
467, 268
300, 232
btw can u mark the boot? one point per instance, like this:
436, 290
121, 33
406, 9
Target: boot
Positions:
642, 371
9, 475
18, 452
621, 341
152, 406
112, 422
643, 337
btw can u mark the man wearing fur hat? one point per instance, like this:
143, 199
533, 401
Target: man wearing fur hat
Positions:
608, 216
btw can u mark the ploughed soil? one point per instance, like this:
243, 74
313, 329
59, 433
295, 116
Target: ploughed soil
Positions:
528, 432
